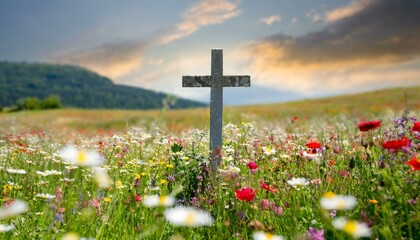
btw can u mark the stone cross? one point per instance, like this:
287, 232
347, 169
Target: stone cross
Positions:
216, 81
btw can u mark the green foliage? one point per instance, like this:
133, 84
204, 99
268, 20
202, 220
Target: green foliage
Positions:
33, 103
77, 87
51, 102
30, 103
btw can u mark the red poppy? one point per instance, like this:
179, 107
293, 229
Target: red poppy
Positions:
268, 188
366, 126
344, 173
252, 165
414, 163
395, 145
137, 198
245, 194
313, 144
416, 127
331, 162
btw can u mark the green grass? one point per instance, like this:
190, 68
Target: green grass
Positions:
365, 105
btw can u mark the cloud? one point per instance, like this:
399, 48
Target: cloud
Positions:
384, 32
347, 11
313, 15
111, 59
271, 19
118, 60
368, 47
204, 13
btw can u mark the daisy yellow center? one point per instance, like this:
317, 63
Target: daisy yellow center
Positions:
341, 205
119, 184
162, 200
350, 227
329, 195
269, 236
81, 156
190, 219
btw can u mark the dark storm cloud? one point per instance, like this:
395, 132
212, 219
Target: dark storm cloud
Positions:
371, 32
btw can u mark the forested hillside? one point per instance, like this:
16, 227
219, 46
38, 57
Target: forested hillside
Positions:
77, 87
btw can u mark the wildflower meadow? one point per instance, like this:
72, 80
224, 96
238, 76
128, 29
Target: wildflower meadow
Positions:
348, 178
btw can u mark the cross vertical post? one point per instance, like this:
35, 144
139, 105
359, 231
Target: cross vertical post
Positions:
216, 81
216, 106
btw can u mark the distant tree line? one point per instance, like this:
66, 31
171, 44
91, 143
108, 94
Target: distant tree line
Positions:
21, 83
34, 103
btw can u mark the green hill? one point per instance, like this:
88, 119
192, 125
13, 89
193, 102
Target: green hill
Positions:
77, 87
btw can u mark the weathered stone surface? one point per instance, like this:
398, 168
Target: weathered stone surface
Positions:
216, 82
196, 81
205, 81
236, 81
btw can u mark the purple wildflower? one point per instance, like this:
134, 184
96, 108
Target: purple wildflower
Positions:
315, 234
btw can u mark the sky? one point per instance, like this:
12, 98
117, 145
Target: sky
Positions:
292, 49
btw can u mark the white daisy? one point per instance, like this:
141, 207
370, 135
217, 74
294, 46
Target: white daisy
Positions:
266, 236
269, 151
188, 216
354, 228
154, 201
331, 201
17, 171
298, 182
45, 196
17, 207
313, 156
71, 155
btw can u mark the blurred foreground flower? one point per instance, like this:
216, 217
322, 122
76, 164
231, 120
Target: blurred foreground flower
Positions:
331, 201
245, 194
70, 236
416, 127
266, 236
102, 178
71, 155
356, 229
298, 183
187, 216
6, 228
366, 126
155, 201
13, 209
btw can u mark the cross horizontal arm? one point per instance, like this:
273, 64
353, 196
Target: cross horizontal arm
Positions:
205, 81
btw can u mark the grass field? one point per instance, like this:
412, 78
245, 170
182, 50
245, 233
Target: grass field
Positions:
355, 107
300, 170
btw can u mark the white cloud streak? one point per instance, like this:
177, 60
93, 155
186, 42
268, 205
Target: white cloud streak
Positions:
271, 19
347, 11
204, 13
